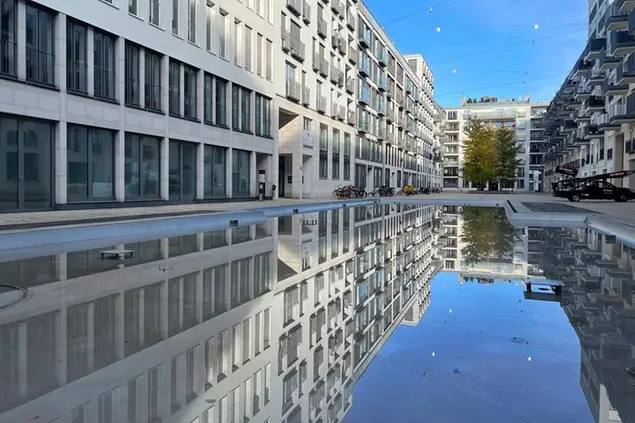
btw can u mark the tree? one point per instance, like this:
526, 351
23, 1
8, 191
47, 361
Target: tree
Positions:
507, 155
487, 234
481, 154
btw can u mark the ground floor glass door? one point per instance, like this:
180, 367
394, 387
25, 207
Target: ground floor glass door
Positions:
26, 164
182, 169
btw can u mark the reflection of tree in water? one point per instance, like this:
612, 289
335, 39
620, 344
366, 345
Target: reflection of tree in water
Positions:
486, 234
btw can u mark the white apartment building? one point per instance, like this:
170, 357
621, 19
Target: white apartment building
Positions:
520, 115
341, 102
110, 102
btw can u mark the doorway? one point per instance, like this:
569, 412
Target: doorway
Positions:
182, 169
26, 175
281, 177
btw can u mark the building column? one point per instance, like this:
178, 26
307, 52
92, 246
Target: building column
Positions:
60, 167
21, 40
120, 166
90, 62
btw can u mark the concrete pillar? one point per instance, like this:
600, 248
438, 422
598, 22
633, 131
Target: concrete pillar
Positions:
21, 40
120, 166
296, 170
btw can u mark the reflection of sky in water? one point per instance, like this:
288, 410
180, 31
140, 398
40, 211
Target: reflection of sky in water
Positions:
466, 366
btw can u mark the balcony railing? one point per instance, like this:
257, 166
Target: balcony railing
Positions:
616, 110
297, 48
306, 96
306, 12
350, 117
294, 90
295, 6
321, 104
351, 22
350, 85
321, 27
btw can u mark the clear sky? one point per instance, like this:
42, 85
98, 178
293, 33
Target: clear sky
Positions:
458, 52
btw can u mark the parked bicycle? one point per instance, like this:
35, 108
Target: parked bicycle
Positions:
349, 191
383, 191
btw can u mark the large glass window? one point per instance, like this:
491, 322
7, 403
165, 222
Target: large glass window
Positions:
152, 80
336, 154
90, 153
104, 65
240, 173
241, 108
263, 116
182, 170
323, 164
175, 87
142, 166
8, 37
208, 103
133, 96
40, 39
214, 177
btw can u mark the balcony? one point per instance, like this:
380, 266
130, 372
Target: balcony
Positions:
337, 7
593, 47
590, 132
295, 6
364, 38
294, 91
363, 124
626, 71
616, 19
582, 115
334, 109
286, 41
582, 66
611, 88
595, 76
629, 147
622, 43
617, 113
341, 46
352, 54
350, 117
297, 48
336, 76
390, 90
306, 12
594, 104
321, 104
351, 22
382, 56
628, 5
321, 27
341, 113
350, 86
602, 122
569, 126
306, 96
608, 62
381, 132
364, 67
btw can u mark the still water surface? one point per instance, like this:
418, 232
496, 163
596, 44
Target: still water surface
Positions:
375, 314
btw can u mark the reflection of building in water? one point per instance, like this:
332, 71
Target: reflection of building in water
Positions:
196, 329
457, 238
341, 304
600, 299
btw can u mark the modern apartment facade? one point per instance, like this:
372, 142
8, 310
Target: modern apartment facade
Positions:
144, 102
589, 126
352, 109
520, 115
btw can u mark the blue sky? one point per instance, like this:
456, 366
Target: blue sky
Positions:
472, 26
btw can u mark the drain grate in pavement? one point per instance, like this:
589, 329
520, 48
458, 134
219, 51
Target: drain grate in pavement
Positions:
554, 208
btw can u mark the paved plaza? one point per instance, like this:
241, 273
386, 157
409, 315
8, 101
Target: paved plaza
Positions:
535, 202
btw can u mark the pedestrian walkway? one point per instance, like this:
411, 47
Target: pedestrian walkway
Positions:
538, 203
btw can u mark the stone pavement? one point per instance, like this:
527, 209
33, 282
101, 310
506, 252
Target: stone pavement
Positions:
621, 212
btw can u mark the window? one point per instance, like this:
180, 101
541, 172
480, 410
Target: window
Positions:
133, 7
76, 62
40, 39
237, 42
222, 35
208, 104
323, 165
152, 81
142, 166
154, 12
209, 26
132, 74
248, 52
189, 92
8, 48
259, 47
241, 108
221, 102
214, 171
240, 173
347, 157
175, 87
175, 17
269, 59
90, 155
336, 155
191, 20
263, 116
104, 65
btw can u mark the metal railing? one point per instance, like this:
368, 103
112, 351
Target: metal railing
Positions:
294, 90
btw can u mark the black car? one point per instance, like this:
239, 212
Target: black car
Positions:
599, 190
